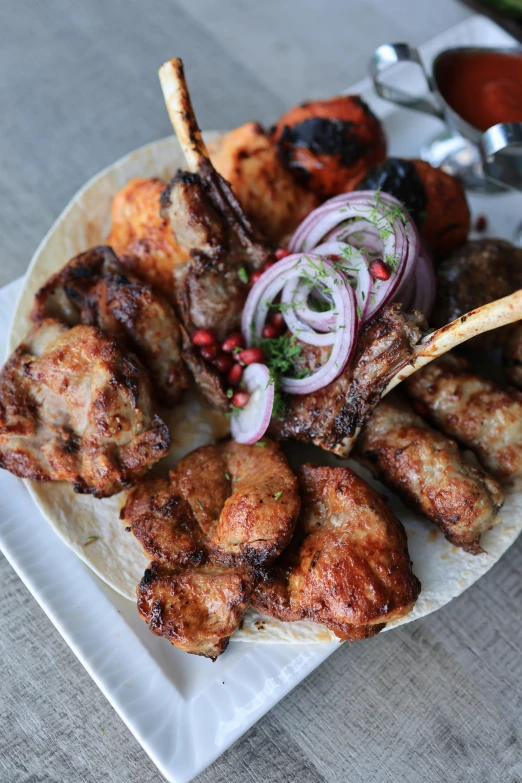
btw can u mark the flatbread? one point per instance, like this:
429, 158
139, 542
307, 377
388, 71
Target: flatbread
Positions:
92, 528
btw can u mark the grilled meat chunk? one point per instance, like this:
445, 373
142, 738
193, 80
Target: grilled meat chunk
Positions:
331, 417
428, 472
435, 200
142, 238
272, 199
474, 411
224, 512
95, 289
196, 608
479, 272
348, 565
74, 408
512, 357
329, 144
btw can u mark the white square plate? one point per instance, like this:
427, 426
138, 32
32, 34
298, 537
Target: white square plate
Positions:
183, 710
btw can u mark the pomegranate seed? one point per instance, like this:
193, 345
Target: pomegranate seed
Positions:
209, 352
223, 362
268, 265
481, 223
235, 374
204, 337
254, 277
251, 356
240, 399
233, 341
270, 330
281, 253
278, 320
379, 270
420, 408
335, 258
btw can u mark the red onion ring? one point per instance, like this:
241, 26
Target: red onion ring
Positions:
250, 423
425, 285
321, 274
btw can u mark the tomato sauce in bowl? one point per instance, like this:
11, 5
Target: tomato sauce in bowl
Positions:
483, 87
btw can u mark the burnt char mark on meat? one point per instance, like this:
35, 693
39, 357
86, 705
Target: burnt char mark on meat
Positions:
399, 178
330, 417
324, 136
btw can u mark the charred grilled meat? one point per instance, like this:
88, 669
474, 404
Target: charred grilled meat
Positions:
74, 408
480, 272
95, 289
474, 411
272, 198
435, 200
331, 417
142, 238
428, 472
328, 145
348, 565
225, 511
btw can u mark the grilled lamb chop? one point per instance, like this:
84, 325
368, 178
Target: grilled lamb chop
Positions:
348, 565
74, 408
428, 472
95, 289
225, 511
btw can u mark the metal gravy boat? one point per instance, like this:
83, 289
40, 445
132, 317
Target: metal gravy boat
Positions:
489, 161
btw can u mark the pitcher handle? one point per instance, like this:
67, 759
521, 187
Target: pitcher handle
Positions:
390, 54
504, 169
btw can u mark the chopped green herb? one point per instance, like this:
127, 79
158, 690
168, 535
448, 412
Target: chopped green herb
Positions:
227, 476
200, 504
242, 274
277, 495
91, 540
260, 444
230, 393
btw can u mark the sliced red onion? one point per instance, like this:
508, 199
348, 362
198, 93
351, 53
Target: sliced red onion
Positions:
322, 274
355, 266
425, 286
377, 225
250, 423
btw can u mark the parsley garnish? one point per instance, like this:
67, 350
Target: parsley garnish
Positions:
277, 495
242, 274
91, 540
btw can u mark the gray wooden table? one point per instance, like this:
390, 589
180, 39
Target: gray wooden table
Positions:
439, 700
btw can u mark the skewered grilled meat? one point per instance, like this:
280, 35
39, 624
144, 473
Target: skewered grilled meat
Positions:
142, 238
94, 288
271, 197
473, 410
225, 511
348, 565
330, 417
428, 472
329, 144
435, 200
74, 408
480, 272
512, 357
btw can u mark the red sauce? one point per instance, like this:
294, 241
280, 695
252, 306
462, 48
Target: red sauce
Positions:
484, 88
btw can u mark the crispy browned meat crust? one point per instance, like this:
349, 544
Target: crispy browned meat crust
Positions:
512, 358
95, 289
473, 410
271, 197
331, 416
477, 273
329, 144
142, 238
225, 511
428, 472
74, 408
348, 566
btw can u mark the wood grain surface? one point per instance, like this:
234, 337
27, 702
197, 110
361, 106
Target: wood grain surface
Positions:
439, 700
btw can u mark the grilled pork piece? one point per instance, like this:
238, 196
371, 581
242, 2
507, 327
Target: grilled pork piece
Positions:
428, 472
331, 417
512, 357
95, 289
348, 565
473, 410
74, 408
142, 238
225, 511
